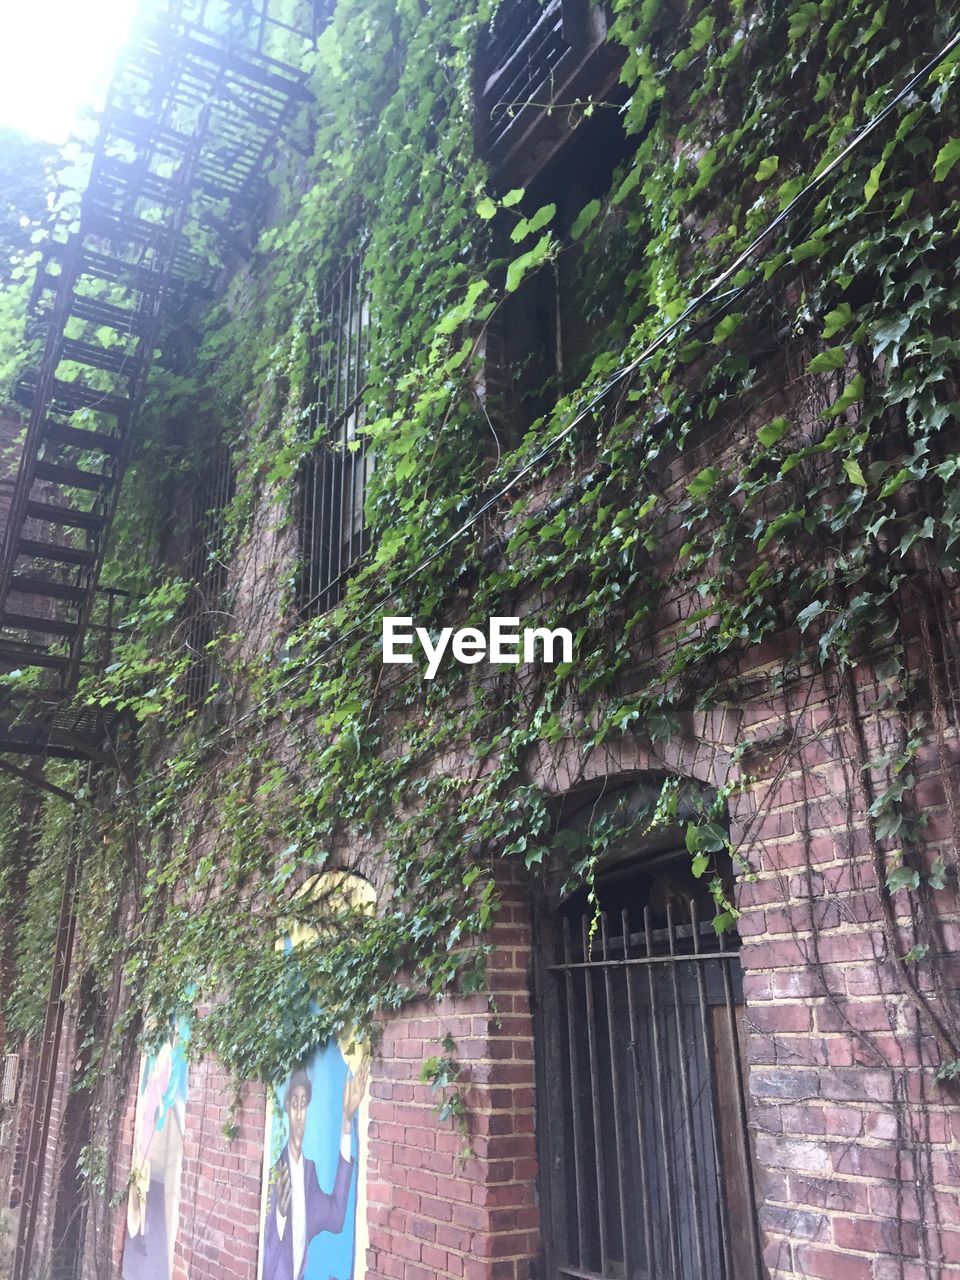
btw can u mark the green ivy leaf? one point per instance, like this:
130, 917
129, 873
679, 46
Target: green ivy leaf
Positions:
947, 157
723, 921
528, 226
705, 837
903, 878
851, 393
937, 877
702, 483
773, 432
804, 18
767, 167
826, 361
837, 319
528, 261
584, 218
513, 197
854, 472
894, 483
486, 208
728, 326
810, 614
812, 248
701, 32
872, 185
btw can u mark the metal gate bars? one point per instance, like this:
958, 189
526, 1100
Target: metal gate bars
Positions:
658, 1182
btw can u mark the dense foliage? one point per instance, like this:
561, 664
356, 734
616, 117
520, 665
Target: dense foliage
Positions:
822, 384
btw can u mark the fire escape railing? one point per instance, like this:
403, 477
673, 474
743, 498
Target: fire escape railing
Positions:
191, 117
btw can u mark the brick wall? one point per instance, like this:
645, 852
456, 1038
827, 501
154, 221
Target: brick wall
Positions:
220, 1191
856, 1140
432, 1211
857, 1146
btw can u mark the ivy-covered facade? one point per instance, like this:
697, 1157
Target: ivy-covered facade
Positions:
633, 319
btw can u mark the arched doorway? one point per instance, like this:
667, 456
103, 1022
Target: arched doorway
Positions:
645, 1152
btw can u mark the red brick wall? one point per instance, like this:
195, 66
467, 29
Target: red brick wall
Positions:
853, 1131
433, 1213
220, 1191
858, 1146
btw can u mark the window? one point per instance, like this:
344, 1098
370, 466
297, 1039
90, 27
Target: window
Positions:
644, 1145
333, 478
543, 339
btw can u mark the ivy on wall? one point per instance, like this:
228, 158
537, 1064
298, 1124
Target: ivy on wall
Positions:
821, 389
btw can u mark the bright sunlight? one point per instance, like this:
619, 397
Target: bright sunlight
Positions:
56, 57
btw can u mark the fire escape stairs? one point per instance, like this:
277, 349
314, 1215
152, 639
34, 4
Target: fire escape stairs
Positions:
190, 120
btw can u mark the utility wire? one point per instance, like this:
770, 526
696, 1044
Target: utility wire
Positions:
661, 339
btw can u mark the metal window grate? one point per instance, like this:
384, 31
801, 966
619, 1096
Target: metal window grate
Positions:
333, 477
206, 570
653, 1171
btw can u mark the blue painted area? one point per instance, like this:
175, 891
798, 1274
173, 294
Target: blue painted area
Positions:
329, 1256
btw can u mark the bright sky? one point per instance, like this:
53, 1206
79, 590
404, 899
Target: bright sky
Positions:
56, 56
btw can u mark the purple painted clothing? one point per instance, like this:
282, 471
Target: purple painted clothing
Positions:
323, 1213
147, 1257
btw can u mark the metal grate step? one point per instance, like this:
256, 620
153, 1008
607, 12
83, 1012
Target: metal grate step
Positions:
71, 477
69, 517
31, 622
10, 654
28, 585
77, 438
55, 551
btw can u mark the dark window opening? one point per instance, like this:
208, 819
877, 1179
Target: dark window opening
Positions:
333, 478
545, 336
644, 1142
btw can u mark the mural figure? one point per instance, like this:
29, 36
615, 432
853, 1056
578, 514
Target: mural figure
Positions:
313, 1212
299, 1210
153, 1198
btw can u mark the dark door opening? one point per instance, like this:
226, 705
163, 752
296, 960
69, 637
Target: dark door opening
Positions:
644, 1139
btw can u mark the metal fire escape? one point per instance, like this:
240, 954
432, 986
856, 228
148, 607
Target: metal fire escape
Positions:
194, 111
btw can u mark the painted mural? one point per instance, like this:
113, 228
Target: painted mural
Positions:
313, 1211
153, 1198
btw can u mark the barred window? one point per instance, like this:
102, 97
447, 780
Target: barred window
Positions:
333, 477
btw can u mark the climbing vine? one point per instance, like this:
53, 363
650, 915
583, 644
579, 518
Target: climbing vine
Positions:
814, 399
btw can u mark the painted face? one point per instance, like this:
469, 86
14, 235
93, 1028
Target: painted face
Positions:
297, 1115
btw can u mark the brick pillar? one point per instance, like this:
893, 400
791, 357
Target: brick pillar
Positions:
219, 1228
432, 1212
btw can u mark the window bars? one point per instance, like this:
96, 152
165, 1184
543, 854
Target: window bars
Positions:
651, 1165
206, 571
333, 477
